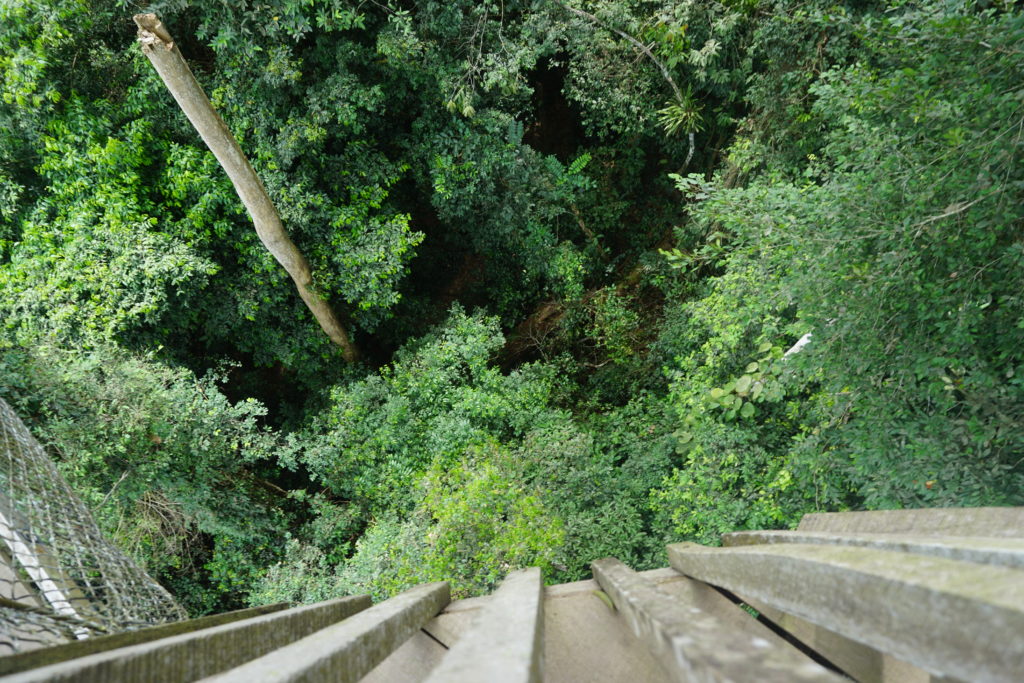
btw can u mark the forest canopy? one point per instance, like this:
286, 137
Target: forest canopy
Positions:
576, 244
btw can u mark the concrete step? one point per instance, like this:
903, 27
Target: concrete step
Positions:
584, 638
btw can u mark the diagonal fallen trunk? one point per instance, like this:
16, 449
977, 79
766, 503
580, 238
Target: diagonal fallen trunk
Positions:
158, 46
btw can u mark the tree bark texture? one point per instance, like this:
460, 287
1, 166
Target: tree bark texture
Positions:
161, 51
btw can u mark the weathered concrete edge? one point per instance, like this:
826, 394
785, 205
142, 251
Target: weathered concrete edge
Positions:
572, 589
348, 650
196, 654
984, 521
1003, 552
694, 644
858, 661
80, 648
505, 642
950, 618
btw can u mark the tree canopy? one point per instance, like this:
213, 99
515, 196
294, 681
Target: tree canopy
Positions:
575, 241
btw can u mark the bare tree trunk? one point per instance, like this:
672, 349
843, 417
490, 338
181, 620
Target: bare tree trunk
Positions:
158, 46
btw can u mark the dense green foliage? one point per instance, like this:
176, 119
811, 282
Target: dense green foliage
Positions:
576, 341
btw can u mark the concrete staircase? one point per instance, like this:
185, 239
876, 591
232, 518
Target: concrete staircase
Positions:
584, 637
879, 596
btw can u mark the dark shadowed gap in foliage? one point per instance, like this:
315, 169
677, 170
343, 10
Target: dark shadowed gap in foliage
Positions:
274, 386
285, 399
443, 272
276, 481
555, 128
200, 56
523, 342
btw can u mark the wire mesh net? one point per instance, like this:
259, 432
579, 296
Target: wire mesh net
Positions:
60, 578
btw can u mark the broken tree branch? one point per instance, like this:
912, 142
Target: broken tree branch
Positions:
159, 48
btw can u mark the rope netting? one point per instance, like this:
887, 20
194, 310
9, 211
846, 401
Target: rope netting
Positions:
60, 578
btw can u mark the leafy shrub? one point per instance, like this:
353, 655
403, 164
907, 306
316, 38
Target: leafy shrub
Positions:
162, 459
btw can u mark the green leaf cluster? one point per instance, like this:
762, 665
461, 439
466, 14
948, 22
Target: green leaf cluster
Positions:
575, 333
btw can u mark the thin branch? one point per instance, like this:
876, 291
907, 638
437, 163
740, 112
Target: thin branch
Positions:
636, 43
954, 209
113, 488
